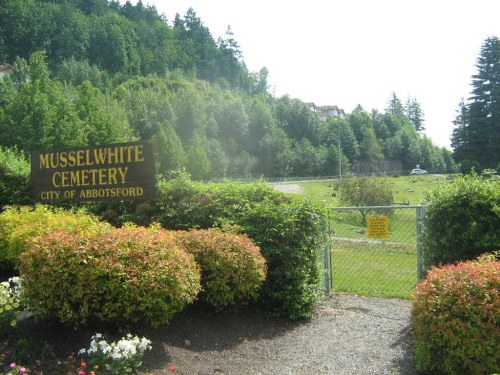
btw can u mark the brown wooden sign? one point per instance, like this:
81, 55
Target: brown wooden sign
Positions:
124, 171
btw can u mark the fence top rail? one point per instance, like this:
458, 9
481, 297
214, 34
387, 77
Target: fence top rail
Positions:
374, 207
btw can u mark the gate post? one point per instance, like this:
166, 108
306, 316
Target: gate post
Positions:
326, 257
420, 217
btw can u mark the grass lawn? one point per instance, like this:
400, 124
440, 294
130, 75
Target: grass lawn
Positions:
408, 189
373, 268
378, 267
404, 188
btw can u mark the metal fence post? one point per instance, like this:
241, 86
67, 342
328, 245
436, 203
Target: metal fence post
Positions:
420, 217
326, 257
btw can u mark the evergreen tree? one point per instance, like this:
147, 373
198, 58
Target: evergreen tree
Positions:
415, 115
459, 137
477, 133
395, 107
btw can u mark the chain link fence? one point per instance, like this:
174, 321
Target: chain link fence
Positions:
374, 250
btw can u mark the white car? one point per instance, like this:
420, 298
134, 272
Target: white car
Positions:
418, 171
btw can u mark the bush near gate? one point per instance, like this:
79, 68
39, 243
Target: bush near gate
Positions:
17, 224
462, 220
125, 276
290, 232
456, 318
232, 268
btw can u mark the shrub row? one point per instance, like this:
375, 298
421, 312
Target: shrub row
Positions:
127, 275
289, 232
456, 318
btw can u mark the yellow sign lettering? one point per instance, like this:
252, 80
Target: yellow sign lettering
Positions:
378, 226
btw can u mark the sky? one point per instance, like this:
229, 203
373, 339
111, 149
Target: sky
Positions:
358, 52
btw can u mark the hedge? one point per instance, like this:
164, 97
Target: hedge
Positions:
462, 220
290, 232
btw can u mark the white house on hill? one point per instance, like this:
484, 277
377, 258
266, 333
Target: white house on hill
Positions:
5, 69
327, 111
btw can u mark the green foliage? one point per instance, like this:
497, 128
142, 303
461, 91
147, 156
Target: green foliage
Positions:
18, 224
14, 190
103, 125
462, 220
77, 72
170, 154
127, 275
13, 162
197, 161
23, 349
456, 319
113, 72
14, 177
370, 147
364, 191
289, 232
470, 166
232, 268
148, 105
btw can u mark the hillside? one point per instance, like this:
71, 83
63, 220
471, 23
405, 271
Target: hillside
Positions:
100, 72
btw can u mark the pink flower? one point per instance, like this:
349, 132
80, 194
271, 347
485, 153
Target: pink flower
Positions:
12, 365
22, 370
81, 372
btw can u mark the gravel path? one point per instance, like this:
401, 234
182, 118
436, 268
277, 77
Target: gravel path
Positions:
288, 188
348, 335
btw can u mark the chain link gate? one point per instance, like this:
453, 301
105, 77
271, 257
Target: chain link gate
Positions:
374, 250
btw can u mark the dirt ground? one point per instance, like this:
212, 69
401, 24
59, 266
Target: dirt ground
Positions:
348, 334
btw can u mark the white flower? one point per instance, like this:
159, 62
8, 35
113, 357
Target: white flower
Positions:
116, 356
104, 347
144, 344
129, 348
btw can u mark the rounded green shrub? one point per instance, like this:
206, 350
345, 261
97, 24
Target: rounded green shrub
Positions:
127, 275
232, 268
290, 232
18, 224
456, 318
462, 220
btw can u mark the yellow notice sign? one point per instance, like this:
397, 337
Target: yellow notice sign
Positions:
378, 226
